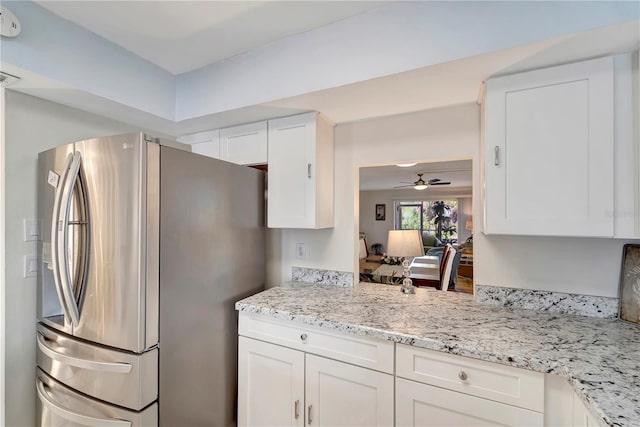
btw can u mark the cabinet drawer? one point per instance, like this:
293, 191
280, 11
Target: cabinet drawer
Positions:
504, 384
423, 405
367, 352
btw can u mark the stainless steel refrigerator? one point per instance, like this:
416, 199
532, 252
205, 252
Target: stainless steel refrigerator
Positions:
145, 250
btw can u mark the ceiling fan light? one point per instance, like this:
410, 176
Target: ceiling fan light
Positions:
420, 187
406, 165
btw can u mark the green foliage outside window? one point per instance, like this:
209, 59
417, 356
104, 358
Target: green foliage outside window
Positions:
439, 218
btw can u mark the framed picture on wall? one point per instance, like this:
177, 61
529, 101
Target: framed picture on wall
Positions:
381, 212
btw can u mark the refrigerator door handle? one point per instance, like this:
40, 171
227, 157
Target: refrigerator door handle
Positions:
75, 417
55, 265
62, 243
114, 367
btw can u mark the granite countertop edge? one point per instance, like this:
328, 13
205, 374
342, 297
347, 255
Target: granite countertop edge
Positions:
544, 365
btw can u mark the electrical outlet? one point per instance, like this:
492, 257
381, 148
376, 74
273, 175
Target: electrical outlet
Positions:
300, 251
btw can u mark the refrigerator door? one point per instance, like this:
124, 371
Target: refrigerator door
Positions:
122, 378
53, 178
212, 254
58, 405
119, 292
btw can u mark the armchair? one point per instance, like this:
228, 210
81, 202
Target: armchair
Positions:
430, 241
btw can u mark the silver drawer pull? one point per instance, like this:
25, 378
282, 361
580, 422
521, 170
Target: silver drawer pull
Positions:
114, 367
463, 376
296, 406
77, 419
496, 155
303, 337
309, 414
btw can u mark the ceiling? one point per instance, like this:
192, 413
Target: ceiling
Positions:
457, 172
181, 36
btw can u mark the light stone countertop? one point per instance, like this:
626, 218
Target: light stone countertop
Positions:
600, 357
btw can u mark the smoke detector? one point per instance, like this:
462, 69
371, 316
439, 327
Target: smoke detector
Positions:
7, 79
9, 24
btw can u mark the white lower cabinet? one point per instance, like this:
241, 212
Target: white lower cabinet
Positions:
282, 386
440, 389
339, 394
486, 380
581, 415
292, 375
270, 384
563, 406
423, 405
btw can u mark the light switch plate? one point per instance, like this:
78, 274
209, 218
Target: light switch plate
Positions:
31, 265
32, 229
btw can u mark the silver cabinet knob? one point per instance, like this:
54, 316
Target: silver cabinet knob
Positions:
463, 376
303, 337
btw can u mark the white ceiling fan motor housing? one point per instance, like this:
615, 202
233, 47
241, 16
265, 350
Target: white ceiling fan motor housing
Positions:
9, 24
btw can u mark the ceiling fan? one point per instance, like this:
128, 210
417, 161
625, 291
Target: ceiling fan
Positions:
421, 184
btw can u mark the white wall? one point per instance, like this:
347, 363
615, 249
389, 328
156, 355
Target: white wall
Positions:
76, 57
377, 230
396, 37
575, 265
465, 213
32, 125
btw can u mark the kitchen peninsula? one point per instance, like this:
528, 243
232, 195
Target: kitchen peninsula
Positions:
600, 358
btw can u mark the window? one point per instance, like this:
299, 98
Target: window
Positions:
437, 217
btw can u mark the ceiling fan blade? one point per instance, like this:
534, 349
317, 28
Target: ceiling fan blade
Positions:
434, 180
405, 186
440, 183
407, 182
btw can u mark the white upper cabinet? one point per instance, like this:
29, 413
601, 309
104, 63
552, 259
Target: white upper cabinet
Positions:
300, 185
549, 151
627, 147
245, 144
205, 143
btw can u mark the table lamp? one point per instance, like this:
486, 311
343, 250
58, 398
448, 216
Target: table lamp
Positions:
405, 243
469, 226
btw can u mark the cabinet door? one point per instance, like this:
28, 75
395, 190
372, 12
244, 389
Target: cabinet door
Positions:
549, 151
339, 394
300, 189
204, 143
581, 415
245, 144
270, 384
422, 405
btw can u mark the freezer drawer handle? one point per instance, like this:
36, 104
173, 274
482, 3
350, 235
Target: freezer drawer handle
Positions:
115, 367
72, 416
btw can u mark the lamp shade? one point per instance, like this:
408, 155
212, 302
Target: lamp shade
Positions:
469, 225
406, 243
